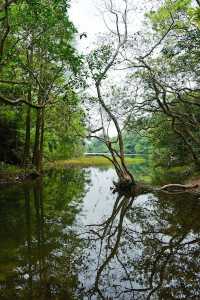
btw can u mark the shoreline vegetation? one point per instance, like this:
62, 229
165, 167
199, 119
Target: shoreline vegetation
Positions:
10, 174
90, 161
14, 174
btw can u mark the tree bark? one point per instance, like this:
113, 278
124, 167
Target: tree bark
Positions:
118, 158
26, 157
39, 136
39, 130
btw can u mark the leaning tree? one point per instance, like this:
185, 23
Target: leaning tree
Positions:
115, 106
106, 95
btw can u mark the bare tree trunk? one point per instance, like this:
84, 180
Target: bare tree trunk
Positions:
118, 159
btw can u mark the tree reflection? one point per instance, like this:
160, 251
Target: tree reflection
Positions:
40, 263
148, 248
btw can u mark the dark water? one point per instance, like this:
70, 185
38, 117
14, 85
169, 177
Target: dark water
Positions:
144, 247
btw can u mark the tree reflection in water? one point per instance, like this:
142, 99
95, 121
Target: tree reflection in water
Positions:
148, 248
38, 246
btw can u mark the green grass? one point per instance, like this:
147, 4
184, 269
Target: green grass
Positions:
90, 161
178, 169
145, 178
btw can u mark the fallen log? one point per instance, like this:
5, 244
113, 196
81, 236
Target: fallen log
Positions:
174, 187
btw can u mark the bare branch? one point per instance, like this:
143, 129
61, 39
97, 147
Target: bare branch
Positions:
13, 82
18, 101
198, 2
159, 42
96, 130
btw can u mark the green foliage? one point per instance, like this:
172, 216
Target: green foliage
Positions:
168, 9
98, 59
136, 143
96, 146
38, 61
168, 148
64, 138
194, 14
170, 84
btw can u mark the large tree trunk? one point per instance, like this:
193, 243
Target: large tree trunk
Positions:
38, 146
41, 140
26, 156
37, 139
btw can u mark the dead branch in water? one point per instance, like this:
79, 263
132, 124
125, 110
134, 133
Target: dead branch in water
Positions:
178, 188
127, 188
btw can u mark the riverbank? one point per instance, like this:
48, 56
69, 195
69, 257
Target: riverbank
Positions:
90, 161
178, 174
13, 174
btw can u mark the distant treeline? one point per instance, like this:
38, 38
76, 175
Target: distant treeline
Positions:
134, 144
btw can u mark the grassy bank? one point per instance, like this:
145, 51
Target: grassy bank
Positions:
89, 161
14, 174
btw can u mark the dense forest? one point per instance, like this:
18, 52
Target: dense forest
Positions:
40, 110
146, 84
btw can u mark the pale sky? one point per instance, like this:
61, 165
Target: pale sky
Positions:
86, 16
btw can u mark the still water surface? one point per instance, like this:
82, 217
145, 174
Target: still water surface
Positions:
68, 237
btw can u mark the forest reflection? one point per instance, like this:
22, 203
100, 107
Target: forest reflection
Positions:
38, 247
68, 237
